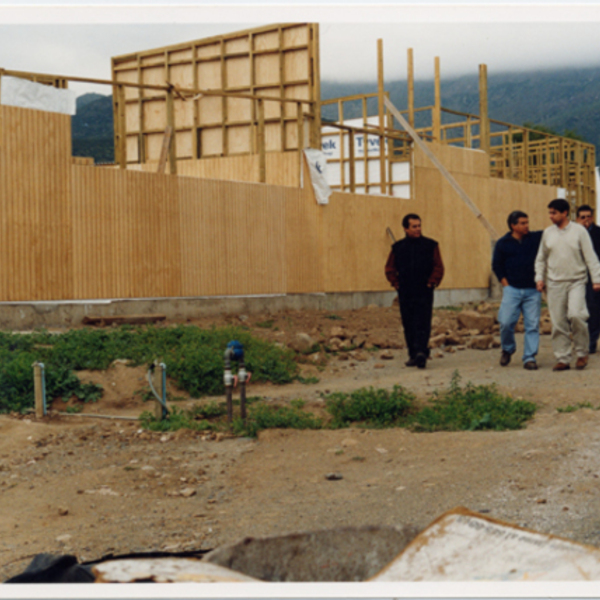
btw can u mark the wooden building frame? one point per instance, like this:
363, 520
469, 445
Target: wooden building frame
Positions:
276, 62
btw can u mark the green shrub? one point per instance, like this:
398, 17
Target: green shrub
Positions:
374, 407
472, 408
262, 416
209, 411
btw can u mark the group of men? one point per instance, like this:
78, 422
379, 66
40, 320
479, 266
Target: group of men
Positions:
561, 260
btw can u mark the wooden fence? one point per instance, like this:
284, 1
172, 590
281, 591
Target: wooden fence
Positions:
73, 231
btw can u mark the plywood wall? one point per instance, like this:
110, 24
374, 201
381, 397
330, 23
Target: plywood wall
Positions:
278, 61
70, 231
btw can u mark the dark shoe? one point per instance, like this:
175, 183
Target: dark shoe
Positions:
411, 362
593, 349
581, 362
421, 361
560, 366
504, 358
531, 365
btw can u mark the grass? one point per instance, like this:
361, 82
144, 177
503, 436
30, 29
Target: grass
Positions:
373, 407
193, 356
472, 408
457, 408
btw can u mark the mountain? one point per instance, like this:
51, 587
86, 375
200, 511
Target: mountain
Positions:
92, 128
562, 100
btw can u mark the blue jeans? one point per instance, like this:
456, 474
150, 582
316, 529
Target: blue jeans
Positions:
514, 302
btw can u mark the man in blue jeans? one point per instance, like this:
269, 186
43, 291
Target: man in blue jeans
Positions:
513, 264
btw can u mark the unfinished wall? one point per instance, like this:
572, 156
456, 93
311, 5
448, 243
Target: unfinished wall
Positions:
70, 231
277, 61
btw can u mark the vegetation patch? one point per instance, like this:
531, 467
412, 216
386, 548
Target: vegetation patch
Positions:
572, 408
373, 407
265, 416
472, 408
193, 356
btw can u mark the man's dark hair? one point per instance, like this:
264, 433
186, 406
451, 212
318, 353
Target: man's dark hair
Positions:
585, 208
407, 218
562, 206
514, 217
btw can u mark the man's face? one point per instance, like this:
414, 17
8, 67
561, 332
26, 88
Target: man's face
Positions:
414, 228
557, 217
585, 218
521, 227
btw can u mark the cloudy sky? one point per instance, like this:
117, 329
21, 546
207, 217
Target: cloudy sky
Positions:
72, 39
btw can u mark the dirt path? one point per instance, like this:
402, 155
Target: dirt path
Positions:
93, 487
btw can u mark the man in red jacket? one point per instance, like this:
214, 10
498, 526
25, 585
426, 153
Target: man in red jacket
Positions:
415, 268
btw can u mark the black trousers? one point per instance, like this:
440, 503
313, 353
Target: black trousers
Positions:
415, 312
592, 299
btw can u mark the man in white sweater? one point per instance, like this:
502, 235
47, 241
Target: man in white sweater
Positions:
563, 260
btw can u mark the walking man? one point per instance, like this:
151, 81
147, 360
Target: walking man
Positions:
585, 217
414, 268
563, 260
513, 264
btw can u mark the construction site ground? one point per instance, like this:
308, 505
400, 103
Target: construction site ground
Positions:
94, 487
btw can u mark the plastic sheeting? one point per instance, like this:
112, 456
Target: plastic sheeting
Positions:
317, 167
23, 93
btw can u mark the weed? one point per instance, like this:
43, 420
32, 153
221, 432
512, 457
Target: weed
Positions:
307, 380
472, 408
298, 403
262, 416
74, 409
570, 408
378, 408
359, 458
334, 317
208, 411
266, 324
177, 419
339, 452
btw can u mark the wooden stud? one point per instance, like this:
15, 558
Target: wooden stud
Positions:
38, 390
411, 88
351, 163
436, 115
262, 169
141, 141
171, 125
196, 147
165, 149
484, 123
300, 119
122, 127
381, 114
315, 87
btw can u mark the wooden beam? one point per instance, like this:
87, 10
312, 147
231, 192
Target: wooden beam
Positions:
351, 165
171, 125
446, 174
164, 151
381, 113
262, 164
436, 115
411, 88
300, 119
122, 127
484, 123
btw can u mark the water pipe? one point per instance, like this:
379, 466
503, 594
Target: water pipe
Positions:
161, 400
228, 381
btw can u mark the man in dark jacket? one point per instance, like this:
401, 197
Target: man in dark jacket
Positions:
513, 264
414, 267
585, 217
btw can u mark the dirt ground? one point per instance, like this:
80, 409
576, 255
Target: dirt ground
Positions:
92, 487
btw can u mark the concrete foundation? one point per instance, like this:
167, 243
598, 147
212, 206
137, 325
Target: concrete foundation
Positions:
20, 316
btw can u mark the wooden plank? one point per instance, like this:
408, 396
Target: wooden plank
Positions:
165, 150
484, 125
437, 104
383, 188
411, 87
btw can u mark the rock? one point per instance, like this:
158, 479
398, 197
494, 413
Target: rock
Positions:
481, 342
63, 511
471, 319
437, 341
334, 344
378, 366
187, 492
337, 331
379, 340
348, 442
386, 355
437, 354
546, 328
358, 341
450, 349
302, 343
453, 340
345, 345
343, 356
243, 318
461, 347
496, 343
484, 307
63, 539
395, 345
359, 355
333, 476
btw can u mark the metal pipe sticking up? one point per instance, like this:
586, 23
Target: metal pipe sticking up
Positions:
235, 351
228, 381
